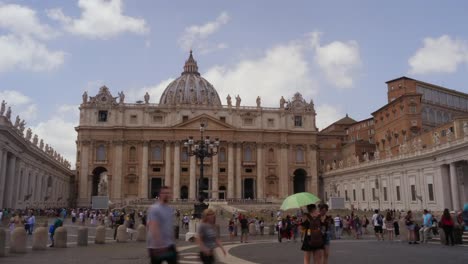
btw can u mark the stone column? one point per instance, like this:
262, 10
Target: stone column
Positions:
230, 187
10, 179
454, 187
83, 198
39, 187
193, 178
283, 175
260, 177
176, 187
144, 172
238, 171
167, 165
116, 192
214, 177
3, 175
313, 170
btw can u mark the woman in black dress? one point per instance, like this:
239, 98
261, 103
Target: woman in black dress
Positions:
313, 243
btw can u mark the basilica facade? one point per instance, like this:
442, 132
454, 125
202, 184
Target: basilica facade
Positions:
135, 148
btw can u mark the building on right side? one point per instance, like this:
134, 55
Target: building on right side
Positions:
411, 154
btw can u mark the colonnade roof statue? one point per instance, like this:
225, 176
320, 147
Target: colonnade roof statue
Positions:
19, 126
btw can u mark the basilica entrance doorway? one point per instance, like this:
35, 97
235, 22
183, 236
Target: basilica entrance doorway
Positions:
184, 192
249, 188
97, 174
222, 193
156, 184
299, 180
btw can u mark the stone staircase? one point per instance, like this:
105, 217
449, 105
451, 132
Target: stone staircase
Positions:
437, 239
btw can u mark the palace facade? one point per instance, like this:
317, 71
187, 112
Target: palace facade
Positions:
264, 152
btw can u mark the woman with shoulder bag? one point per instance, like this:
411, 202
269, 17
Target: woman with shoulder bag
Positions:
206, 237
447, 224
411, 227
314, 243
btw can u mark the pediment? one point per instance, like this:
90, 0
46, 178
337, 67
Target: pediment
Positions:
212, 123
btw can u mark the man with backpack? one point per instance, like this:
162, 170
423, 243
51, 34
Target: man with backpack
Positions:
377, 222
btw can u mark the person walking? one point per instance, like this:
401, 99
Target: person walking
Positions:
244, 222
57, 223
31, 223
160, 236
313, 243
447, 225
206, 237
409, 222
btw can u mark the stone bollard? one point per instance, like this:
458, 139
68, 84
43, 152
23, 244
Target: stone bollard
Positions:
442, 236
122, 235
2, 242
40, 238
100, 237
82, 236
18, 240
141, 233
271, 230
252, 230
60, 237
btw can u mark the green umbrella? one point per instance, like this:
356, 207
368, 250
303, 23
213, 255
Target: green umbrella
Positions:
298, 200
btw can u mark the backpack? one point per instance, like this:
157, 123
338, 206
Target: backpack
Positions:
314, 233
379, 220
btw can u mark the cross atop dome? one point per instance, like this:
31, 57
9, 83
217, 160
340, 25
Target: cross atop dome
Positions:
191, 66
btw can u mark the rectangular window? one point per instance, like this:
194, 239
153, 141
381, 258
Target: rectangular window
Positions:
413, 192
373, 195
184, 118
222, 169
133, 119
157, 119
398, 196
271, 122
248, 121
248, 170
354, 194
298, 121
102, 116
363, 194
430, 191
346, 195
222, 119
385, 193
184, 169
412, 109
156, 169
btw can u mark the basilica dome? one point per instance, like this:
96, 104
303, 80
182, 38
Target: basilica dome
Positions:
190, 88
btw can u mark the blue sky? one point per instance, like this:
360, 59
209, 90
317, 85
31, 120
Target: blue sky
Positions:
338, 53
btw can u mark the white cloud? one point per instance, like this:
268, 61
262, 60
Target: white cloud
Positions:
26, 53
194, 37
155, 91
439, 55
59, 131
340, 61
20, 104
281, 71
22, 20
100, 19
326, 115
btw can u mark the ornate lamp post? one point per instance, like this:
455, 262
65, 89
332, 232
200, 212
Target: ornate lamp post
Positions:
203, 148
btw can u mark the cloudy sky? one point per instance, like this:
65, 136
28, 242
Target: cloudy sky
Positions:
337, 53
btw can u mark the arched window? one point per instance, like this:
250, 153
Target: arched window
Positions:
222, 155
247, 154
271, 155
132, 154
299, 154
101, 153
156, 153
184, 154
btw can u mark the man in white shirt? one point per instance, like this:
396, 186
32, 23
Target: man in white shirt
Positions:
377, 222
338, 226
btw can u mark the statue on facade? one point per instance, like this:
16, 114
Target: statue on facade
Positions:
340, 164
85, 97
259, 101
8, 113
377, 155
17, 122
147, 98
282, 102
419, 145
238, 101
41, 144
2, 109
365, 157
35, 140
102, 187
449, 135
356, 160
229, 101
22, 126
121, 97
334, 165
388, 153
436, 138
28, 134
328, 167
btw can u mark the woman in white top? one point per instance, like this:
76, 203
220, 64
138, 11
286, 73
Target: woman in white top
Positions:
388, 222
